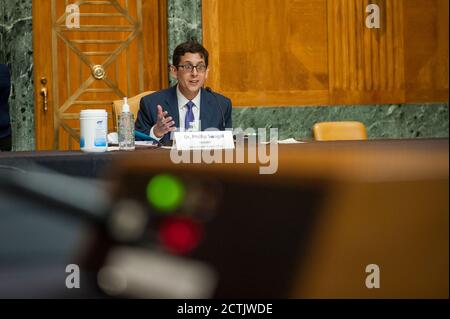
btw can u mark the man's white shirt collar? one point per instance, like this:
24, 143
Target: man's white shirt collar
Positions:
182, 100
182, 109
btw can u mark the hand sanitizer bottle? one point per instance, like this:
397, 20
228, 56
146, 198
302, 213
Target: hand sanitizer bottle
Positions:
126, 128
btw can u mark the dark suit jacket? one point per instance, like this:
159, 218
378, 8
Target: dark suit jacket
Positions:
210, 110
5, 84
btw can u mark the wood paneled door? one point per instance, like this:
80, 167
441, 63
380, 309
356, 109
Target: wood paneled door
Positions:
118, 49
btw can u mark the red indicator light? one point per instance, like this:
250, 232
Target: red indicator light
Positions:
180, 235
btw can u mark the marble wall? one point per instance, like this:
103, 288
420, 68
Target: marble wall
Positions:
184, 22
16, 51
382, 121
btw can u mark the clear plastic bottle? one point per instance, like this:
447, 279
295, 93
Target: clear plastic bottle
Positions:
126, 128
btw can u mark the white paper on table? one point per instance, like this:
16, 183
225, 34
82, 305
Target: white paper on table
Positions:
290, 141
286, 141
113, 138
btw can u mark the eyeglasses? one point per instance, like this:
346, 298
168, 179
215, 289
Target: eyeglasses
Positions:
189, 67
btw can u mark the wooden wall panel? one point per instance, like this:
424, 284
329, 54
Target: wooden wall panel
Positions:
366, 65
426, 54
260, 54
320, 52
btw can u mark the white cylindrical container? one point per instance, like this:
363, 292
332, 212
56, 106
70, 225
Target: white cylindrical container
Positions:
93, 130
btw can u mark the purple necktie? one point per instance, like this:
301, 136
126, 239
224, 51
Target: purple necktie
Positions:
189, 115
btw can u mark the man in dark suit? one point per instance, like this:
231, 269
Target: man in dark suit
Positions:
187, 105
5, 123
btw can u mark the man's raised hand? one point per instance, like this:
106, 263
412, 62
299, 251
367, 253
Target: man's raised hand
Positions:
164, 124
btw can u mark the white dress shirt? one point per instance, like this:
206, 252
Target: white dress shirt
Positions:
182, 110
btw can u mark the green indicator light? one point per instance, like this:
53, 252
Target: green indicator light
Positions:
165, 192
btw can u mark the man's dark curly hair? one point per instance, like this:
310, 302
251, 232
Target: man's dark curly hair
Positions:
190, 46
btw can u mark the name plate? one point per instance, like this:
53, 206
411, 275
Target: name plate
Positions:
206, 140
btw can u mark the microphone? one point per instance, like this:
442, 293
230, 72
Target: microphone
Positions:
217, 101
